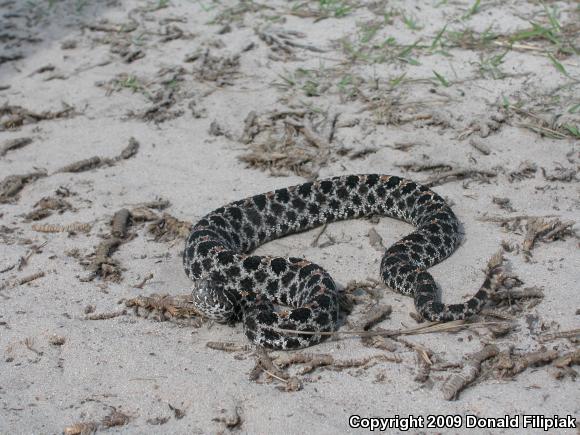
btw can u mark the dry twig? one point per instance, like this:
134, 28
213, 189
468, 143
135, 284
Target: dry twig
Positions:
472, 367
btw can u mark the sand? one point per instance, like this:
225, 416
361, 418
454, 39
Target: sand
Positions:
337, 87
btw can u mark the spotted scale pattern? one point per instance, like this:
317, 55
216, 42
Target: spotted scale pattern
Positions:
270, 294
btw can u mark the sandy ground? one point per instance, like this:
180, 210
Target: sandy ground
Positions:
479, 99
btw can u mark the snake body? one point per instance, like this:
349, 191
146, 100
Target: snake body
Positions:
270, 294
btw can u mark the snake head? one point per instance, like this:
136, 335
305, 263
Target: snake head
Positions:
214, 300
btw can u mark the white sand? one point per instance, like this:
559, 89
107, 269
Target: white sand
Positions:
140, 367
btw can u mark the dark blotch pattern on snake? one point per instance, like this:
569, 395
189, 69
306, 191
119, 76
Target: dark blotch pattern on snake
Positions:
231, 284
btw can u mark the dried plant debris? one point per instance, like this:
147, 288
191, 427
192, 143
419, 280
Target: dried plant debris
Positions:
129, 151
561, 173
227, 346
82, 428
85, 164
168, 228
57, 340
14, 144
287, 141
171, 32
104, 25
197, 109
562, 367
157, 204
222, 70
470, 372
373, 316
21, 281
23, 260
484, 128
569, 359
216, 129
101, 264
511, 294
554, 129
177, 412
503, 203
353, 154
161, 110
460, 174
11, 186
120, 223
510, 300
144, 281
445, 172
310, 361
230, 417
425, 167
143, 214
423, 369
536, 228
95, 162
166, 307
509, 364
76, 227
106, 315
573, 334
114, 419
284, 42
526, 169
13, 117
264, 364
46, 206
545, 230
163, 92
120, 40
10, 57
379, 342
480, 146
276, 368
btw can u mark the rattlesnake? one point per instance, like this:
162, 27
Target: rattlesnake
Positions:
230, 284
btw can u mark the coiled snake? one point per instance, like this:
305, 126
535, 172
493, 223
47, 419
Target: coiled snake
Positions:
230, 284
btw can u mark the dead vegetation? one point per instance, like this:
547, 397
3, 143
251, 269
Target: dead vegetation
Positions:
535, 229
14, 144
176, 308
168, 228
75, 227
445, 172
297, 141
11, 186
114, 419
101, 264
13, 117
48, 205
222, 70
284, 43
95, 162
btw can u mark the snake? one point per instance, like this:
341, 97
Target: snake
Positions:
289, 302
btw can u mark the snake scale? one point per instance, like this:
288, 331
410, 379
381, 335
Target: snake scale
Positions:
270, 294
